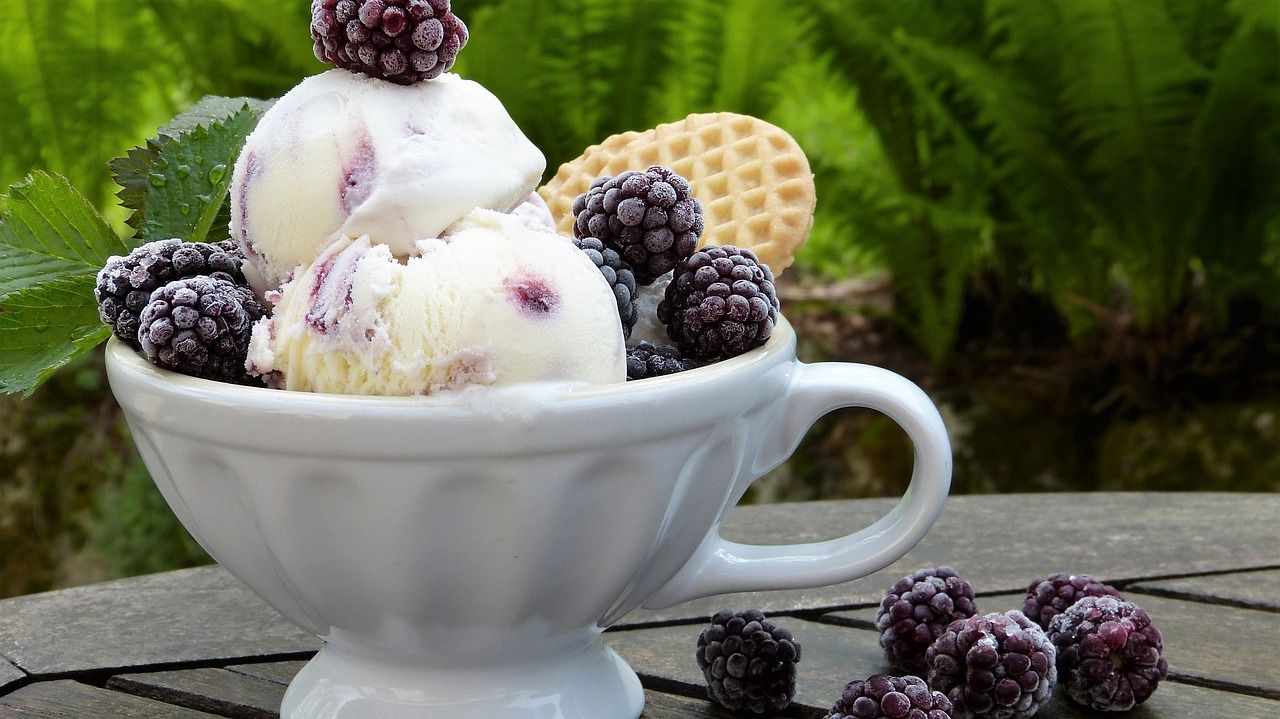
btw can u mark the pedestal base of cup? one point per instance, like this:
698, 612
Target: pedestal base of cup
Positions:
593, 683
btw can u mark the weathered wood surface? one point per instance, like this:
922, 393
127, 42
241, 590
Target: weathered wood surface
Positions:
1253, 590
1206, 644
189, 615
67, 699
197, 643
266, 688
989, 539
9, 674
212, 690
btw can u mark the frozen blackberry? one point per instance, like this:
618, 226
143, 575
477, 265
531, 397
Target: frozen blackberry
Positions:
997, 666
1049, 597
917, 609
721, 303
618, 274
649, 360
125, 284
651, 218
403, 41
749, 661
1110, 654
883, 696
200, 326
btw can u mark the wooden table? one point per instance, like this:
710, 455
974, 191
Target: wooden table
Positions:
197, 643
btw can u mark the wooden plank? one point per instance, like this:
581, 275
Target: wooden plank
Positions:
1252, 590
198, 614
833, 655
241, 699
9, 675
217, 691
1209, 645
278, 672
66, 699
1132, 535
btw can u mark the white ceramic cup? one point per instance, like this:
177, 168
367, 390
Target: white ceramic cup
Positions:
462, 562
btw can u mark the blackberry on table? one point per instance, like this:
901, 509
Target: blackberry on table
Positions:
749, 662
1000, 666
403, 41
618, 274
200, 326
888, 697
1110, 653
1049, 597
125, 284
651, 218
720, 303
649, 360
917, 609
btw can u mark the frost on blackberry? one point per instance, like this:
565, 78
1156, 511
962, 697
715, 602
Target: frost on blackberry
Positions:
998, 665
1049, 597
888, 697
651, 218
648, 360
200, 326
748, 661
1110, 653
402, 41
618, 274
124, 285
721, 303
917, 609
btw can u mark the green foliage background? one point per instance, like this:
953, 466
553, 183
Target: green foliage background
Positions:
1119, 161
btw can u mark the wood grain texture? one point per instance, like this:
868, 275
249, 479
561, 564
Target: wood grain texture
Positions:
271, 677
833, 655
199, 614
278, 672
1205, 644
1130, 536
67, 699
217, 691
9, 675
1252, 590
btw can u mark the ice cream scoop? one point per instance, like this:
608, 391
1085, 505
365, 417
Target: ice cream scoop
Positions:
343, 154
494, 302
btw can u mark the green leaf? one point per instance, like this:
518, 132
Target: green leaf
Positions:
49, 232
42, 327
177, 183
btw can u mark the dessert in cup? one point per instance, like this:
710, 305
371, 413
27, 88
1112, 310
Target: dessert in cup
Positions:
456, 427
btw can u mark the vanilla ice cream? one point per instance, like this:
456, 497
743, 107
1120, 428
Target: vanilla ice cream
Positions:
346, 155
494, 302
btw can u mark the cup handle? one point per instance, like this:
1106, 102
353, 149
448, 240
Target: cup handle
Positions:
720, 566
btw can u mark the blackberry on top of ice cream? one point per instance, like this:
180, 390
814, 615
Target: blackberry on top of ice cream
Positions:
403, 41
1049, 597
125, 284
720, 303
1110, 653
618, 274
200, 326
748, 661
651, 218
917, 609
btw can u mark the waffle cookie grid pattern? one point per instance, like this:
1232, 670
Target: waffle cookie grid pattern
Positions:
753, 180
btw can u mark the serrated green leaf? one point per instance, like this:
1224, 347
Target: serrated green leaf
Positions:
177, 184
43, 327
50, 231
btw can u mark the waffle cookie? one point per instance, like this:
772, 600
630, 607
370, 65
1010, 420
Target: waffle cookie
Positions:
752, 178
